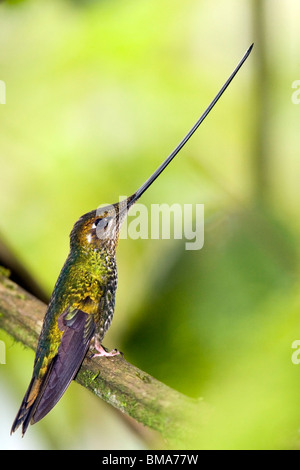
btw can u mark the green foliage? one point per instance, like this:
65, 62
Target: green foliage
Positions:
96, 97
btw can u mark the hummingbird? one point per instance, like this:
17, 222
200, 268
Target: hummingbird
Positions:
82, 304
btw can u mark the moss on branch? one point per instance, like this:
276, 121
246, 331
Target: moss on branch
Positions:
119, 383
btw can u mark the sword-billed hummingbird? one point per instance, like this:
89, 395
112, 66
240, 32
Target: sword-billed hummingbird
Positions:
82, 304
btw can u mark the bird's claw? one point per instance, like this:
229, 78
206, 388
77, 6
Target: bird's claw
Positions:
102, 352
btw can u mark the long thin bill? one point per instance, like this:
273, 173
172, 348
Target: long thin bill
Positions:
153, 177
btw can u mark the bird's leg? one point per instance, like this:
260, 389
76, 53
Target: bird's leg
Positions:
102, 351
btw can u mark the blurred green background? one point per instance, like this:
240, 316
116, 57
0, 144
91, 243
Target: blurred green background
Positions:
97, 94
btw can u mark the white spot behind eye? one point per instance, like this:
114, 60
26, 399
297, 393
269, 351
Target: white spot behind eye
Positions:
89, 237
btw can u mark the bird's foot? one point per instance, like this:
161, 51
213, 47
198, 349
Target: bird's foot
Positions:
103, 352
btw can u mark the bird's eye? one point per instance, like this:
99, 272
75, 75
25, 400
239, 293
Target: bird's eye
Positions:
96, 222
101, 224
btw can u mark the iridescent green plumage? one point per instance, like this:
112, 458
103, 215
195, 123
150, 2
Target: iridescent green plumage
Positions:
80, 309
82, 304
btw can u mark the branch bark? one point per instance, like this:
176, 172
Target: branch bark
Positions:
119, 383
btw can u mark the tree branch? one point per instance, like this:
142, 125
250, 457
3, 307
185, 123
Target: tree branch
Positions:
113, 379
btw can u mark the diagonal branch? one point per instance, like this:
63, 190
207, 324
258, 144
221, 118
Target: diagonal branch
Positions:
113, 379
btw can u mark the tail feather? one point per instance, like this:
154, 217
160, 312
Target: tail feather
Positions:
43, 393
23, 412
28, 405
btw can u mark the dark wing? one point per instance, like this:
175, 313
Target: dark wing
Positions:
75, 342
43, 394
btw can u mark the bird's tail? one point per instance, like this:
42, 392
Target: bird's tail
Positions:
28, 405
44, 392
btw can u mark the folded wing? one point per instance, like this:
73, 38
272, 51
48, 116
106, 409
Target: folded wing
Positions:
43, 394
